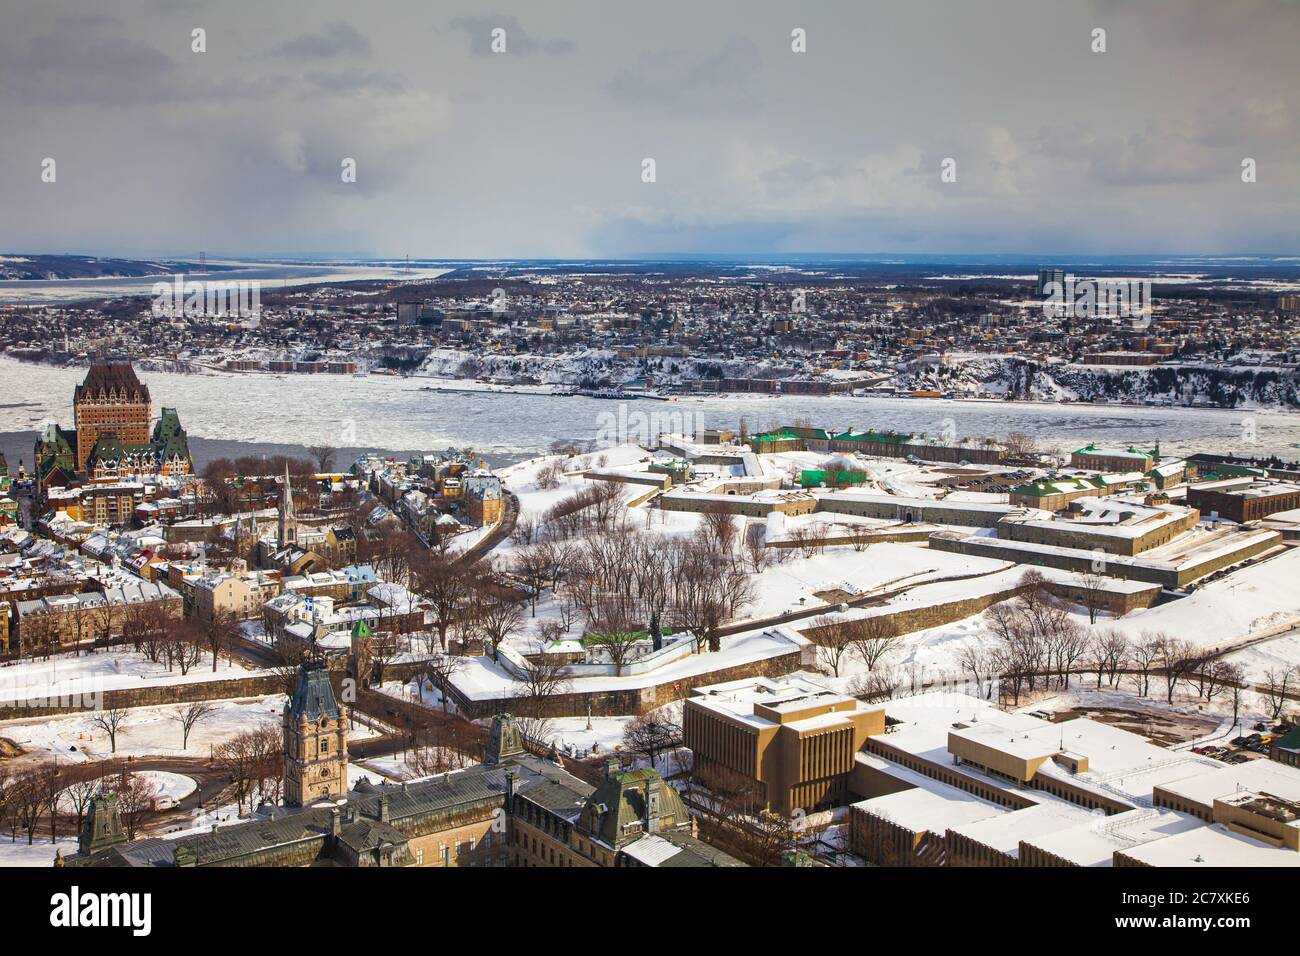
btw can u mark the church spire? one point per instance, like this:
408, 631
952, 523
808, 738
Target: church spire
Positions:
288, 526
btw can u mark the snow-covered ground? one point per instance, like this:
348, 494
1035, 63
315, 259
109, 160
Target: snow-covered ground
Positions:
1254, 599
85, 675
40, 853
146, 731
878, 567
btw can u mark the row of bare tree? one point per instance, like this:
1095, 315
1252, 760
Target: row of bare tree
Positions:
52, 793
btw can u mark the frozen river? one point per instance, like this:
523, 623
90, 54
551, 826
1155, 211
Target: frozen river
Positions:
397, 414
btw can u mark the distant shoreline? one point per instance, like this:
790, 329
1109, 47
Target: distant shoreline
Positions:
467, 386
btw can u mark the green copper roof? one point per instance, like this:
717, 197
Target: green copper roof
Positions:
783, 435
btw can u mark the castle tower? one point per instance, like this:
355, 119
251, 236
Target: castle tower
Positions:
288, 533
315, 740
111, 400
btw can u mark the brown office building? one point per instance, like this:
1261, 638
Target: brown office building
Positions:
789, 742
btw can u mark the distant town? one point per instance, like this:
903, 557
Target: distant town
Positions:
685, 329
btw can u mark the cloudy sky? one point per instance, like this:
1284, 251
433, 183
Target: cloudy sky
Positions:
462, 152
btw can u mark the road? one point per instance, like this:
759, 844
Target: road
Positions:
503, 529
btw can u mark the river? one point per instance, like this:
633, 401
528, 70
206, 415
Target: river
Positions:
226, 411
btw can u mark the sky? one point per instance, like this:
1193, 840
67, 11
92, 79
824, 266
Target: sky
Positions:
540, 150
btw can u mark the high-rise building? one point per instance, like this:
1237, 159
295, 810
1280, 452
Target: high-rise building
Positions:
1047, 276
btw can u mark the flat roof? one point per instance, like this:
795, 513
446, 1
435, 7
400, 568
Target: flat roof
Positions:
1004, 833
1094, 843
737, 699
933, 808
1229, 780
1213, 845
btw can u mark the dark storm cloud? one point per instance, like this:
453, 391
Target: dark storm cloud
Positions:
84, 60
518, 40
337, 39
539, 152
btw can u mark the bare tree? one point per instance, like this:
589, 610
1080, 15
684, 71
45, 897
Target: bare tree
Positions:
718, 526
190, 716
1092, 588
873, 638
323, 456
877, 685
497, 621
136, 802
652, 733
739, 822
110, 722
1067, 644
535, 696
834, 639
532, 566
1234, 679
26, 800
438, 670
221, 632
183, 647
1177, 660
83, 781
1110, 651
756, 550
979, 661
445, 585
1144, 653
1276, 687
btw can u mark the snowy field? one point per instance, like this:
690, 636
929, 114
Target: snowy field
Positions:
146, 731
85, 675
41, 853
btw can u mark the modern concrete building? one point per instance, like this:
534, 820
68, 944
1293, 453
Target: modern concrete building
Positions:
789, 742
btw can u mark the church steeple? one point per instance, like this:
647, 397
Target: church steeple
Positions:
288, 533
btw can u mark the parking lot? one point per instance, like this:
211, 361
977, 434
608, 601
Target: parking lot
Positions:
1252, 746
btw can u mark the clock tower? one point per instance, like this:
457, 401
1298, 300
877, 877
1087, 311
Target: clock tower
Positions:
315, 740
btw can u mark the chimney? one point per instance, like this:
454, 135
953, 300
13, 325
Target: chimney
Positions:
510, 790
335, 821
383, 808
612, 766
